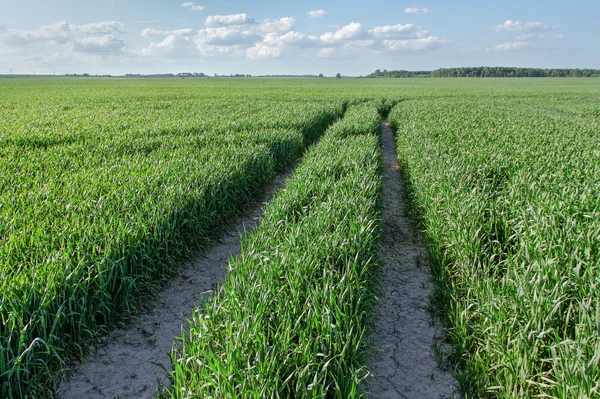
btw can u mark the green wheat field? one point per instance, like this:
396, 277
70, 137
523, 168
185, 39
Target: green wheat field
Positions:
108, 185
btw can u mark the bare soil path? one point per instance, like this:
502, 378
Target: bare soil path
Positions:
405, 331
129, 361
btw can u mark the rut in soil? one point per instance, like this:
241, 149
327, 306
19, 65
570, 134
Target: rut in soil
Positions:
132, 361
404, 330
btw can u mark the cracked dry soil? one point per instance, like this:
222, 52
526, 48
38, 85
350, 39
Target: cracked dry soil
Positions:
404, 330
129, 361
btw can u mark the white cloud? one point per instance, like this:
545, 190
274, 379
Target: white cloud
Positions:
170, 46
224, 36
406, 37
3, 28
317, 14
517, 26
273, 39
192, 6
510, 46
274, 45
101, 44
151, 33
262, 50
159, 48
397, 38
60, 33
416, 10
215, 50
235, 36
348, 32
225, 41
398, 31
285, 24
99, 28
236, 19
421, 44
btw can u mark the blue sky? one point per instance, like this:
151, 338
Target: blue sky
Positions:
273, 37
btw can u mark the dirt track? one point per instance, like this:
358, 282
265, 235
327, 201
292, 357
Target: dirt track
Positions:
130, 360
404, 329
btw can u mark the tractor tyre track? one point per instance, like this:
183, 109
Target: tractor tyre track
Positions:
131, 362
405, 333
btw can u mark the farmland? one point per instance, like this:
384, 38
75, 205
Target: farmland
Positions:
508, 191
107, 185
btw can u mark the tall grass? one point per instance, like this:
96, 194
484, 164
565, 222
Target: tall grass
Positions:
107, 183
507, 190
290, 319
90, 221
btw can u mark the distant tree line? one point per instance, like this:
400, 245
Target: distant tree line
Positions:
398, 74
489, 72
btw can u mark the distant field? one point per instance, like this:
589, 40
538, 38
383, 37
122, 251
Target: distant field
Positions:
108, 184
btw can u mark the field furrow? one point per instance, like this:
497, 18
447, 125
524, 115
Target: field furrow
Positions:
109, 185
508, 196
289, 320
88, 228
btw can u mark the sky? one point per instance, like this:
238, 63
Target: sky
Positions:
309, 37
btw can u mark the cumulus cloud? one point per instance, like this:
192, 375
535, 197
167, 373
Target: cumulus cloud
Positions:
60, 33
261, 50
416, 10
406, 37
171, 46
518, 26
224, 36
236, 35
152, 33
100, 44
159, 48
348, 32
391, 38
421, 44
292, 37
215, 50
317, 14
510, 46
235, 19
192, 6
233, 35
99, 28
276, 45
398, 31
285, 24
